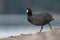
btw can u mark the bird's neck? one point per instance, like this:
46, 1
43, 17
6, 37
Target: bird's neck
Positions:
29, 19
29, 16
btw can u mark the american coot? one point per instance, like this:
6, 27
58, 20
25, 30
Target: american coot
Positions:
39, 19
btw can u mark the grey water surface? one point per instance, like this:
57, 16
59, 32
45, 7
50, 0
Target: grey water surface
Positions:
11, 25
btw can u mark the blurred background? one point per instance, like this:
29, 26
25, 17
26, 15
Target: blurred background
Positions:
13, 19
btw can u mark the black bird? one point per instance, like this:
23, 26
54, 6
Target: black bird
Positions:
39, 19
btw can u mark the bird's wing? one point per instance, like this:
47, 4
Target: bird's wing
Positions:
40, 16
38, 19
43, 17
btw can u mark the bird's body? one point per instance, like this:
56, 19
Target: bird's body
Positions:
39, 19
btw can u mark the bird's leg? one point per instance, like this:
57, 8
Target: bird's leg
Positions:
41, 28
50, 26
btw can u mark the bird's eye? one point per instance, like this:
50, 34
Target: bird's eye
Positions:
27, 11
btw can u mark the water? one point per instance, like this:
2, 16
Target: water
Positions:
18, 24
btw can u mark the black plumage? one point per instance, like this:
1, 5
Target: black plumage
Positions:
39, 19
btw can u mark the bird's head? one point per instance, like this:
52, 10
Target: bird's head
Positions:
29, 12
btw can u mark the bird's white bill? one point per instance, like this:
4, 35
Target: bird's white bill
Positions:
27, 11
